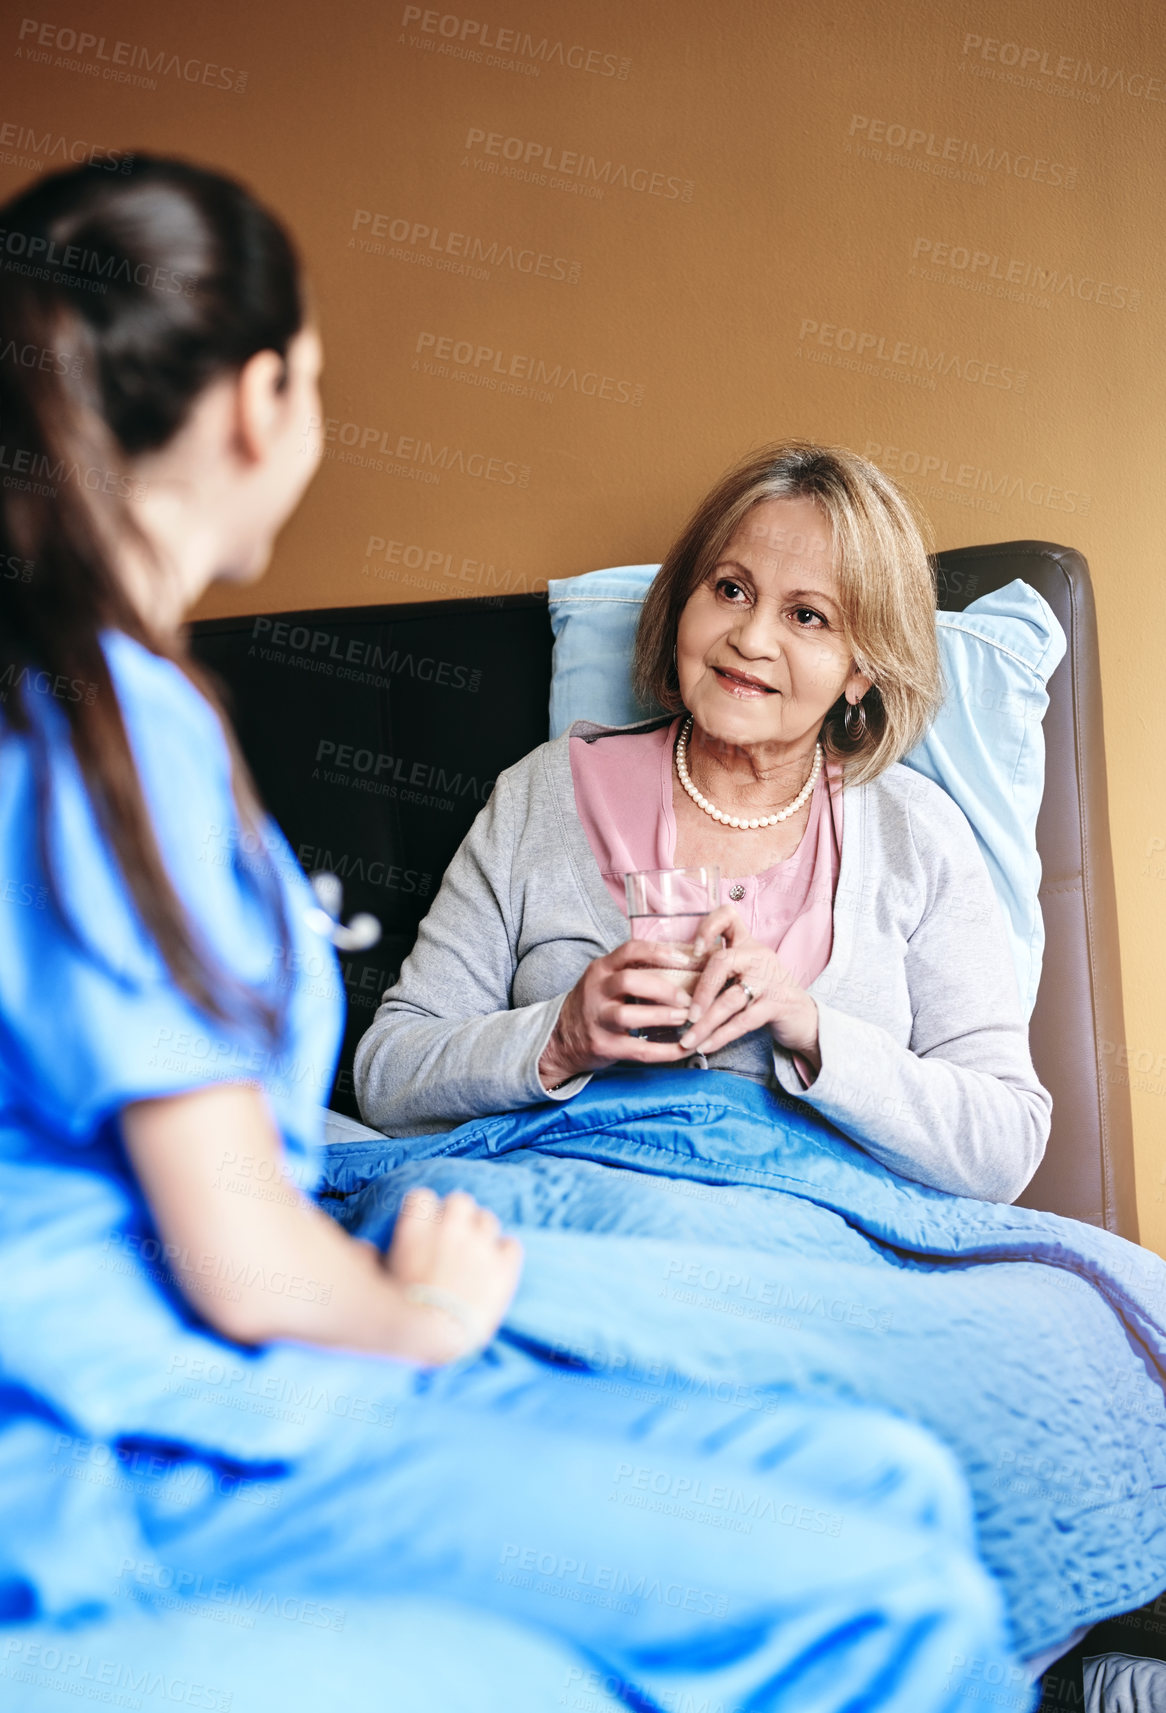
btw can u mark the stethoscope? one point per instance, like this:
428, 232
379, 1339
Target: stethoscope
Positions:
361, 932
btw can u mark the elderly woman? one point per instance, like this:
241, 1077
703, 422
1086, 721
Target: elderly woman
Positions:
862, 965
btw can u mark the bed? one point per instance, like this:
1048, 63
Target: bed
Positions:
442, 696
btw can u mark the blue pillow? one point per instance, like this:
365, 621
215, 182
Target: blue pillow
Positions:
985, 747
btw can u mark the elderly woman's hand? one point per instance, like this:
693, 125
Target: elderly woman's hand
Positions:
742, 987
599, 1013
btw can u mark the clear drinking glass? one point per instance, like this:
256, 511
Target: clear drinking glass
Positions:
668, 904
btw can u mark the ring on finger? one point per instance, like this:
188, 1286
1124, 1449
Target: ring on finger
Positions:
750, 996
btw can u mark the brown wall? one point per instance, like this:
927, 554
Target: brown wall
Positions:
655, 235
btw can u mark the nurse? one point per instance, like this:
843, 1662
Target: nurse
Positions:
169, 1022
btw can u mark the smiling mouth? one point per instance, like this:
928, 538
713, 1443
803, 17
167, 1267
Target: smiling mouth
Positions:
741, 682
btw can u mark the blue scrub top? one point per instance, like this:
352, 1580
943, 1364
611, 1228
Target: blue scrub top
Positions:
90, 1017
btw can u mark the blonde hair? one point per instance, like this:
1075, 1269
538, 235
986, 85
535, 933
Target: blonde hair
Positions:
887, 593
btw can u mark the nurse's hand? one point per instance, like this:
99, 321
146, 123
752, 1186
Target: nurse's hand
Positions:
745, 986
457, 1271
597, 1016
203, 1157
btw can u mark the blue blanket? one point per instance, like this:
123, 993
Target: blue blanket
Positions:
183, 1519
751, 1253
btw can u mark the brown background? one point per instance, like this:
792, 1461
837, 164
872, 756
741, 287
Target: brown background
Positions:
732, 226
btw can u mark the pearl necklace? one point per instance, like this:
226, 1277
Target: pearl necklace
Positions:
738, 820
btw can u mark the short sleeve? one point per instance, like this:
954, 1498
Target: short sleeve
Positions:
90, 1018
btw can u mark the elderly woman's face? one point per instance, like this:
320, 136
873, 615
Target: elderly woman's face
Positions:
760, 652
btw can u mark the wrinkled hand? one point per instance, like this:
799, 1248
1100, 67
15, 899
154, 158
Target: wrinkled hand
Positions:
454, 1247
597, 1014
722, 1009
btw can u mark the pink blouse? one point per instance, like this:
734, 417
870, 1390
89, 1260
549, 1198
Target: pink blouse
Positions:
623, 793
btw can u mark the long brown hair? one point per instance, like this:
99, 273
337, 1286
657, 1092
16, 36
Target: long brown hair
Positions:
120, 300
886, 584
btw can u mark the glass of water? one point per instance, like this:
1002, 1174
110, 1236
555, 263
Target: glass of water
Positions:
668, 905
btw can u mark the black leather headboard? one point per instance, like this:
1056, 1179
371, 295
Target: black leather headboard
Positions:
1078, 1032
374, 734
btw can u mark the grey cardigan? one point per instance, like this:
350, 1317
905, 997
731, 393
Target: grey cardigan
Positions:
924, 1047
